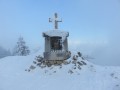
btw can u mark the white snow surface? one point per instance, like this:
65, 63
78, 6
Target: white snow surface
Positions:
91, 77
56, 33
59, 33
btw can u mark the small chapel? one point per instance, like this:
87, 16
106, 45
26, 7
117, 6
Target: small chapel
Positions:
56, 43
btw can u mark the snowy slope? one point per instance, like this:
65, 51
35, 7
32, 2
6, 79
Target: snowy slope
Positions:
90, 77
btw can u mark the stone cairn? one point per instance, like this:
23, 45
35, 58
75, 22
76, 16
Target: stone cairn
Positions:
77, 62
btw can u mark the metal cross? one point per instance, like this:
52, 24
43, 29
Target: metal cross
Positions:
55, 20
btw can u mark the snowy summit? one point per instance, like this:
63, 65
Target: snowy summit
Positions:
78, 74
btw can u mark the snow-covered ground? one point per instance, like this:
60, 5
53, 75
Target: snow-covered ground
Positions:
13, 76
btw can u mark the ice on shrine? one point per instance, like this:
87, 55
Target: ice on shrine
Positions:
56, 43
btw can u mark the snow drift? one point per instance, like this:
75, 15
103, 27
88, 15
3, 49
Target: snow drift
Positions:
14, 76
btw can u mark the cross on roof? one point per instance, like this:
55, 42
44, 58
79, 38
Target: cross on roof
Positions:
55, 20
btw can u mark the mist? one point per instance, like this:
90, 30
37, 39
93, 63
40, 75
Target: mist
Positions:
101, 52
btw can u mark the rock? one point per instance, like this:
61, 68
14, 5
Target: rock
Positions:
79, 54
70, 71
83, 62
79, 63
34, 62
32, 67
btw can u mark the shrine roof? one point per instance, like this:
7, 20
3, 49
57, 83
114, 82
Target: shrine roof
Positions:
53, 33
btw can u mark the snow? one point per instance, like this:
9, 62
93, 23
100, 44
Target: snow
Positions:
91, 77
59, 33
56, 33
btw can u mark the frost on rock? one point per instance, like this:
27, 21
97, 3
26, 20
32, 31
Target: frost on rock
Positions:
74, 63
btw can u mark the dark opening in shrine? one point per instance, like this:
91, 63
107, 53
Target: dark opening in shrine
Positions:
56, 43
